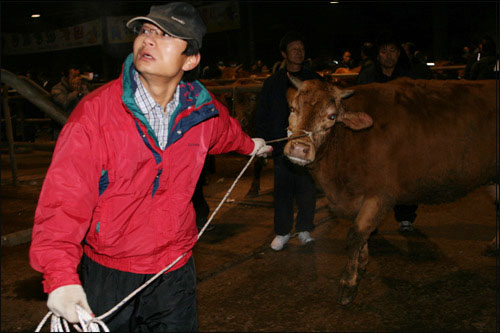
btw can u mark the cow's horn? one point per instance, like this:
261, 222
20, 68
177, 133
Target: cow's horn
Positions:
346, 93
295, 80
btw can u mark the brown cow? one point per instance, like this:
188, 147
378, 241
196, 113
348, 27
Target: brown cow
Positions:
402, 142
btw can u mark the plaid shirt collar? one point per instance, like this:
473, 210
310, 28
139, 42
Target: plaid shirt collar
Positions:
153, 112
147, 104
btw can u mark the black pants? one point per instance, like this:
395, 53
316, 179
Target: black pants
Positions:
167, 305
405, 213
292, 182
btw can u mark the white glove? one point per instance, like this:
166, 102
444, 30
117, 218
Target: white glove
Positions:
261, 149
63, 300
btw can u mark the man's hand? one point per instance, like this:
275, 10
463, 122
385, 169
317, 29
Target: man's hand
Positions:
261, 149
63, 300
75, 83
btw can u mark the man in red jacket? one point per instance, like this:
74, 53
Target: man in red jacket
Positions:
117, 195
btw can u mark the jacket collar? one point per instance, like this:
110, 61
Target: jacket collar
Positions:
193, 97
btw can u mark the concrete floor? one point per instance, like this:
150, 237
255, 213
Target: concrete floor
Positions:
435, 279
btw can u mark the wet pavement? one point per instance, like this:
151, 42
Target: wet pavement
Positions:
434, 279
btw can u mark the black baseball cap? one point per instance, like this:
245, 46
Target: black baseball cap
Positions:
179, 19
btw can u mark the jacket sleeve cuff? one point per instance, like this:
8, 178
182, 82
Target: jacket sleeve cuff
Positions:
247, 147
54, 281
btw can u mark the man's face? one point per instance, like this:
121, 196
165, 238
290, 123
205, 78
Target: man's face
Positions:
388, 55
346, 57
73, 73
158, 54
295, 53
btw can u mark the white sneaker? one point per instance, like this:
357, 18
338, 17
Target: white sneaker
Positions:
305, 237
279, 241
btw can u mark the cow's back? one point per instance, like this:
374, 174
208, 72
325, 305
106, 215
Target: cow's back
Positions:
431, 142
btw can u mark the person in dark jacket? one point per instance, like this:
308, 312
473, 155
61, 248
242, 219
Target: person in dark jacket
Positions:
70, 90
291, 182
483, 67
347, 60
418, 66
391, 65
368, 62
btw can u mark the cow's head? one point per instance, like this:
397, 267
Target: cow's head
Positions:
315, 106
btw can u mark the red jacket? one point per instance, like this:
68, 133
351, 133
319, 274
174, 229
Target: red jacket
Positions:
111, 187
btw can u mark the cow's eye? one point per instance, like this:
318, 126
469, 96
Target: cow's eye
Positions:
332, 116
292, 109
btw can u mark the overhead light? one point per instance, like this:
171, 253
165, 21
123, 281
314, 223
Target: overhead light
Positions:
35, 16
334, 2
430, 64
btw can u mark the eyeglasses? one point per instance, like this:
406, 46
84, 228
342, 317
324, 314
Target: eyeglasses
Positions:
145, 31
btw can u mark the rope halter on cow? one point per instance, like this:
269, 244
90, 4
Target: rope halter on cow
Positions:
306, 133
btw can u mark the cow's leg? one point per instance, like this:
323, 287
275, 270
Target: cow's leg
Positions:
258, 165
366, 221
492, 248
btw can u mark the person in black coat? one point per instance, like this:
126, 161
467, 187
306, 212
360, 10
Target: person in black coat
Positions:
290, 181
483, 67
392, 63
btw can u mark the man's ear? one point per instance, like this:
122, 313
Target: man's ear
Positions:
283, 54
191, 62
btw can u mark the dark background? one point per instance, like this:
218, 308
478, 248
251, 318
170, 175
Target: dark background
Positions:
439, 29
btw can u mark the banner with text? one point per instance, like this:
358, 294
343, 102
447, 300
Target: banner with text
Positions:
118, 31
81, 35
218, 17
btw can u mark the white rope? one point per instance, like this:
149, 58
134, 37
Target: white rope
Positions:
86, 321
226, 196
91, 324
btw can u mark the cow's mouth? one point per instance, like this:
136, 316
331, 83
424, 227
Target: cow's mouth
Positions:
298, 161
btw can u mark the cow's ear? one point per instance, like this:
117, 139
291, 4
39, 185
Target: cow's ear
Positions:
295, 80
355, 120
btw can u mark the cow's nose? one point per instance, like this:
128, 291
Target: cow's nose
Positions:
299, 149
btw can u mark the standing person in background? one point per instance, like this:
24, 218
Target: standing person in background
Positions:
70, 90
418, 65
118, 191
389, 66
347, 60
368, 62
291, 182
484, 66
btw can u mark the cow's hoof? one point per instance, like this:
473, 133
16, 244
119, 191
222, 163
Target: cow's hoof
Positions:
346, 294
